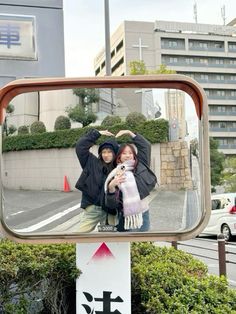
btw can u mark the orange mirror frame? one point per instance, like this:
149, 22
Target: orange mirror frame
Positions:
173, 81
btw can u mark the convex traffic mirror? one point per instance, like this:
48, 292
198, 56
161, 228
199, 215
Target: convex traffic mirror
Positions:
39, 170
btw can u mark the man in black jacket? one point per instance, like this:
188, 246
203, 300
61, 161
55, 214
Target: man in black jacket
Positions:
91, 181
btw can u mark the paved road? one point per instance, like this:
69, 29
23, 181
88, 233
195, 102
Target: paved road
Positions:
39, 211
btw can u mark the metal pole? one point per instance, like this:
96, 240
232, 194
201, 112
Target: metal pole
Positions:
108, 47
107, 38
174, 244
221, 254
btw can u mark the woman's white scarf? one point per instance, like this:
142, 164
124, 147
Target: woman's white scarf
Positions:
132, 205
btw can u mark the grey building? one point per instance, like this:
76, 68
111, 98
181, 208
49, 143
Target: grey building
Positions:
205, 52
31, 45
31, 39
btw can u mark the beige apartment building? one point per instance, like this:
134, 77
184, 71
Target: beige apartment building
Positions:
204, 52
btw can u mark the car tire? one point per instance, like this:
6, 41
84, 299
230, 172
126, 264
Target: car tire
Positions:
225, 229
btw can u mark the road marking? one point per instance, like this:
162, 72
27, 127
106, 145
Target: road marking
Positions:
213, 265
19, 212
226, 245
48, 220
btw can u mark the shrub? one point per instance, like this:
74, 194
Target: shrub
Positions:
62, 123
110, 121
156, 131
23, 129
37, 127
30, 272
165, 280
133, 119
12, 129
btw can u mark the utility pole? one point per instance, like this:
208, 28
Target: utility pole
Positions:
108, 47
107, 38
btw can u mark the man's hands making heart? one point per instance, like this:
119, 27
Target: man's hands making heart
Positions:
120, 133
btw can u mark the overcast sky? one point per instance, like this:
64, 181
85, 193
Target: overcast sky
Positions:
84, 23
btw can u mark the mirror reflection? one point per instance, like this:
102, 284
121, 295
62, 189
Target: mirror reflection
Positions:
42, 165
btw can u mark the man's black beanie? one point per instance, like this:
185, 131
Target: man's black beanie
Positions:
111, 144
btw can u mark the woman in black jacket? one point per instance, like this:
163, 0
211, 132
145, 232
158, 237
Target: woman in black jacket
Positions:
94, 174
129, 184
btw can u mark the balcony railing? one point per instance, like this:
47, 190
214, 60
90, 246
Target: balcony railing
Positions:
217, 129
199, 64
221, 97
217, 113
227, 146
179, 47
207, 49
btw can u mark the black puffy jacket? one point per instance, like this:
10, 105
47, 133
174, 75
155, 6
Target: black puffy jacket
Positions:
95, 171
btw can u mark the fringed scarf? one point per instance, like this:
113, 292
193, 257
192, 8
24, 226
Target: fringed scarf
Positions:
133, 207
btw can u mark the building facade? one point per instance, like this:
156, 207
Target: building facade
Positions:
205, 52
31, 45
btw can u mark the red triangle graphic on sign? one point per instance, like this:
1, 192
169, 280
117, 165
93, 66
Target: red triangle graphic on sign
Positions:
102, 252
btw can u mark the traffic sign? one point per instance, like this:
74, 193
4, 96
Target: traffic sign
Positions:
104, 287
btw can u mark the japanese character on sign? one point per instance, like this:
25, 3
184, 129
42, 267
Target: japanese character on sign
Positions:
9, 35
106, 300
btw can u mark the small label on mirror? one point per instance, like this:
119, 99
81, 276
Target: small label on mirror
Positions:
106, 228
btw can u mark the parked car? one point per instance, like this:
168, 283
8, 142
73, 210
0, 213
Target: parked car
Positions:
223, 215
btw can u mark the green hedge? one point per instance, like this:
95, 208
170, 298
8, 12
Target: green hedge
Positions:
32, 272
163, 281
156, 131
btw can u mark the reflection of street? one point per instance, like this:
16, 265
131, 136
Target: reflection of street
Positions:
167, 210
58, 212
32, 211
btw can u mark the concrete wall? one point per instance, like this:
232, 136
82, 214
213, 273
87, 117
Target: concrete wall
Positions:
45, 169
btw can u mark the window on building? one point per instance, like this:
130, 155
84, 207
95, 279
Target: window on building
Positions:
189, 60
232, 46
220, 93
97, 71
218, 45
219, 61
112, 53
232, 61
203, 61
196, 44
119, 46
232, 93
203, 45
117, 65
103, 65
220, 77
221, 109
204, 77
222, 141
222, 125
172, 44
173, 60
